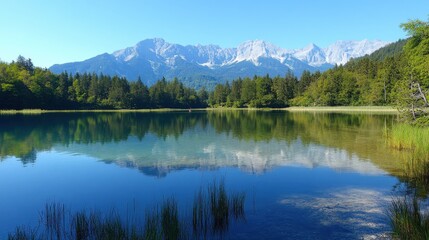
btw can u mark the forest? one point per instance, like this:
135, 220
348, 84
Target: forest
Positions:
396, 75
23, 86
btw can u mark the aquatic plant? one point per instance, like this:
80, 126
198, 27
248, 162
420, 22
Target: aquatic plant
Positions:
211, 212
411, 138
151, 227
54, 220
237, 205
22, 233
413, 142
170, 219
81, 225
213, 208
407, 219
219, 206
201, 215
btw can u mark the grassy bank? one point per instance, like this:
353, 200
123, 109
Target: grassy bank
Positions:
212, 211
374, 109
24, 111
345, 109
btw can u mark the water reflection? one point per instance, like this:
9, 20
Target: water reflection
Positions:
340, 180
350, 209
157, 143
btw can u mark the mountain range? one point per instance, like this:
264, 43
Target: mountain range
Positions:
206, 65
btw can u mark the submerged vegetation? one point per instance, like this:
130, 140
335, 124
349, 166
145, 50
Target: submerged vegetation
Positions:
212, 211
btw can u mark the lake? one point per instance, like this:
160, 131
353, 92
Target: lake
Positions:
305, 175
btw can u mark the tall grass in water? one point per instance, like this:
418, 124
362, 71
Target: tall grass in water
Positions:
151, 227
213, 208
210, 215
201, 214
54, 220
407, 219
237, 204
22, 233
413, 141
81, 225
170, 220
219, 206
411, 138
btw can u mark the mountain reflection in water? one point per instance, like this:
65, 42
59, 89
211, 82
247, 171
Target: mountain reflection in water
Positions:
157, 143
305, 175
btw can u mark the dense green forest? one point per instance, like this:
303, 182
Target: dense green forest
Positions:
261, 91
23, 86
396, 75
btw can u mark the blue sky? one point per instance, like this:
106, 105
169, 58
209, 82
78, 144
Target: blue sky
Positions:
62, 31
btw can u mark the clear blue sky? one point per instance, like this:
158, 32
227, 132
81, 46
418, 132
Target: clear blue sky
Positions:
59, 31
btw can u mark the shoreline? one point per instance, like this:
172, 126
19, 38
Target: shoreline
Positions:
344, 109
383, 109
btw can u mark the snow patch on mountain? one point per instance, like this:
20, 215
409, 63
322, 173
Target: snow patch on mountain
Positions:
253, 50
312, 54
342, 51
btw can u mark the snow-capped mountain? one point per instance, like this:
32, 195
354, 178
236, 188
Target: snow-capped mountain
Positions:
312, 54
205, 65
341, 51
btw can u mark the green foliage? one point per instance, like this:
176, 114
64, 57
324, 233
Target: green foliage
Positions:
417, 29
413, 87
260, 92
23, 86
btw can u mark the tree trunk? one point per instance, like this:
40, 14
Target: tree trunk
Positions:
422, 94
385, 97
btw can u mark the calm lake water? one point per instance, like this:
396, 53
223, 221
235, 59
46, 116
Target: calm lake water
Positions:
305, 175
